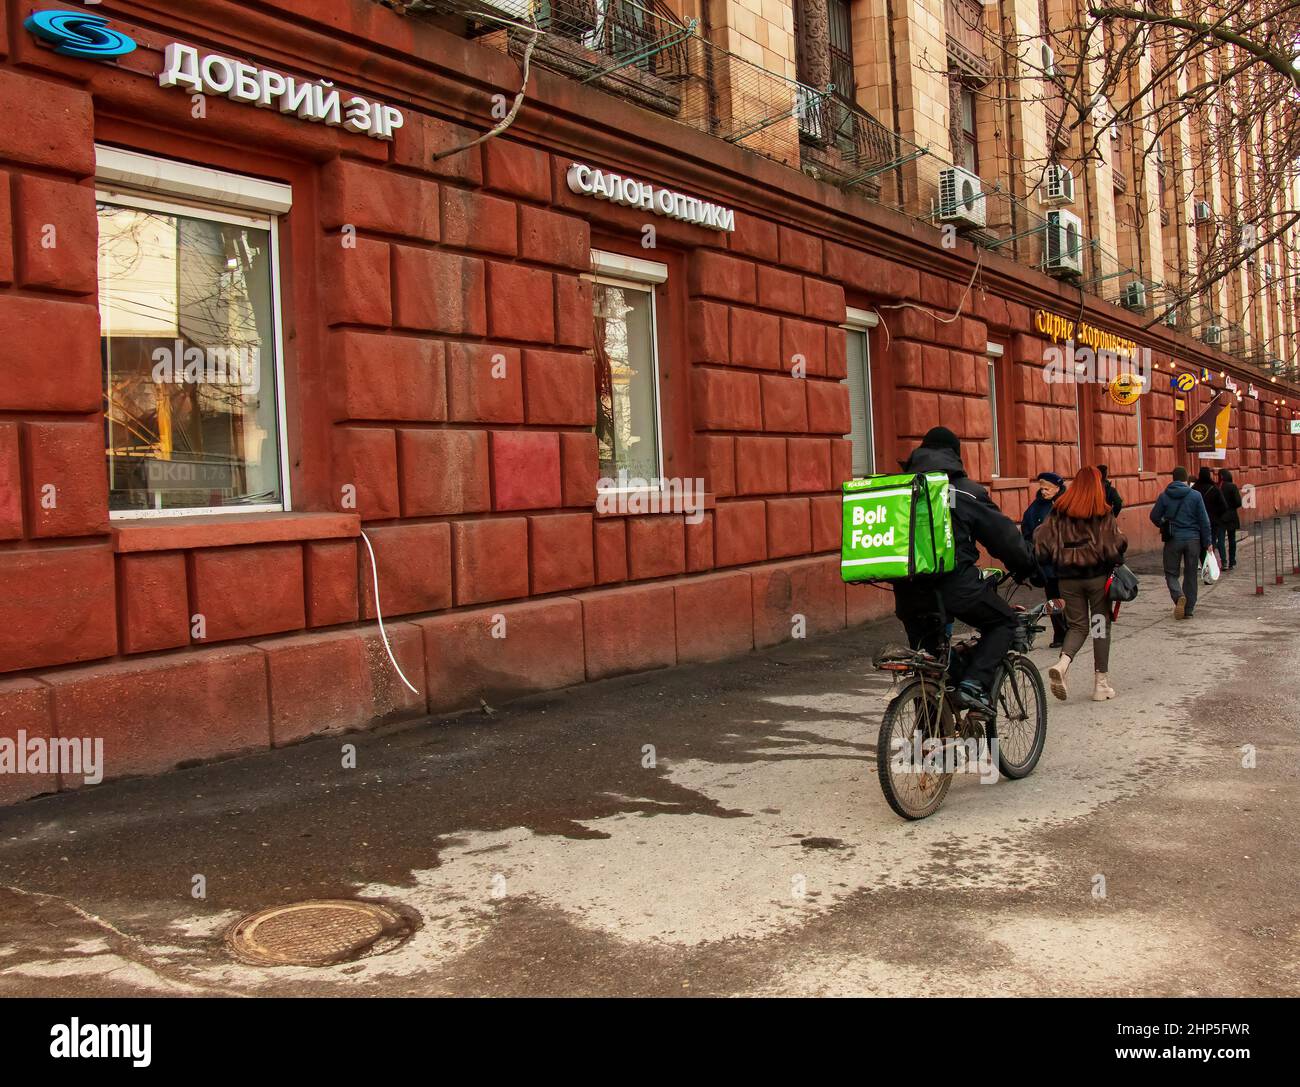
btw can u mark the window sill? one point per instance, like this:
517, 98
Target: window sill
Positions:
230, 529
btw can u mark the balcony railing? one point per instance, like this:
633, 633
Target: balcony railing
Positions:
844, 140
640, 50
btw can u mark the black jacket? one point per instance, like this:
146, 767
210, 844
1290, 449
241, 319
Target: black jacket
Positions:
1232, 501
975, 519
1112, 496
1215, 505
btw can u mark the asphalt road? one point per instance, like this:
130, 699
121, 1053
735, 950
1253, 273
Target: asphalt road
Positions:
720, 830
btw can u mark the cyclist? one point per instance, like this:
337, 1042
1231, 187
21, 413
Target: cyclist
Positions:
963, 593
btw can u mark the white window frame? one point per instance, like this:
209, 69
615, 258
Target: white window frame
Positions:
994, 351
151, 183
862, 322
638, 274
1141, 451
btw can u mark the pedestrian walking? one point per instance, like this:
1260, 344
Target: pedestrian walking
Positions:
1184, 526
1081, 539
1227, 533
1215, 508
1112, 493
1051, 487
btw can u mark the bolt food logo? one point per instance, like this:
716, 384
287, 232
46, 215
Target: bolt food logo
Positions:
76, 34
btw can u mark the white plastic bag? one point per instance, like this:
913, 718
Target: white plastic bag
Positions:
1210, 568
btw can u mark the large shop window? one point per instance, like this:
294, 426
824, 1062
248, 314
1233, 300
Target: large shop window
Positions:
190, 338
857, 334
628, 433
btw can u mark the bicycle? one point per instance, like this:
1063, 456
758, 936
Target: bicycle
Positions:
928, 733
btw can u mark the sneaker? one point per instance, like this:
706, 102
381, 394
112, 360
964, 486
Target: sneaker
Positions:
1180, 608
1188, 614
1056, 675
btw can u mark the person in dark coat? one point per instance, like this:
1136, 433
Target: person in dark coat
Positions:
962, 593
1053, 486
1226, 532
1215, 507
1112, 493
1180, 515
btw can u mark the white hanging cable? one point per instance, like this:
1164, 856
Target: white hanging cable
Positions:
374, 572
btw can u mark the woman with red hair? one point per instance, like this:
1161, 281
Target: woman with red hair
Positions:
1081, 538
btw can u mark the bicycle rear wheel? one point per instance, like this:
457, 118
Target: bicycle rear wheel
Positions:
1021, 702
909, 750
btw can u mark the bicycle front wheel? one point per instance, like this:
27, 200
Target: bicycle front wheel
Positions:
910, 750
1021, 702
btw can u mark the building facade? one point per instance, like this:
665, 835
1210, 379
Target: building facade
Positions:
290, 344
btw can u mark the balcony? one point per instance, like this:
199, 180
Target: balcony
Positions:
844, 141
641, 51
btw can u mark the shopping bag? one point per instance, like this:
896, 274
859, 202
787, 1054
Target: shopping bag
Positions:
1210, 568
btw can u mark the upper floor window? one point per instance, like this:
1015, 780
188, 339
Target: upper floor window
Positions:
841, 49
629, 437
968, 153
189, 338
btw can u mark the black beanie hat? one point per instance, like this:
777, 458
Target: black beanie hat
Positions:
940, 437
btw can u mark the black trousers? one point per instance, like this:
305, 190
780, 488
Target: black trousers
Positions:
963, 595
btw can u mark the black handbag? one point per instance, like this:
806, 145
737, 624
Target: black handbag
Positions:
1122, 585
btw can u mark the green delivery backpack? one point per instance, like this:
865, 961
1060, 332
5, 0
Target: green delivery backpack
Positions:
897, 527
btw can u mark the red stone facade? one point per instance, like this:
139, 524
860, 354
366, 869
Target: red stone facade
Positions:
477, 492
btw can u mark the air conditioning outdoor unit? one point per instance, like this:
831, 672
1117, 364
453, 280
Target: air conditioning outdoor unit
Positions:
1171, 318
1249, 240
1213, 335
1202, 212
1058, 186
1049, 62
1063, 248
961, 197
1134, 296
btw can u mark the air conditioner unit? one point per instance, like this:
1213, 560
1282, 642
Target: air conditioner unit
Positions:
1202, 212
1213, 335
1171, 318
1268, 272
961, 197
1049, 62
1063, 247
1134, 296
1249, 240
1058, 186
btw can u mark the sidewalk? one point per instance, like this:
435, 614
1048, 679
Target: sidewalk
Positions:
720, 830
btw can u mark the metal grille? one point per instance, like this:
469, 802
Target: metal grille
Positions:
841, 49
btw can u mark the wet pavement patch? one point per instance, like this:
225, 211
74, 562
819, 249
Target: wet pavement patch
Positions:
319, 933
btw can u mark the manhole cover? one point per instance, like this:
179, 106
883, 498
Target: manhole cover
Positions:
318, 933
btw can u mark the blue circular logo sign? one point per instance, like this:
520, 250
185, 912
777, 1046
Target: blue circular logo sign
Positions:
78, 34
